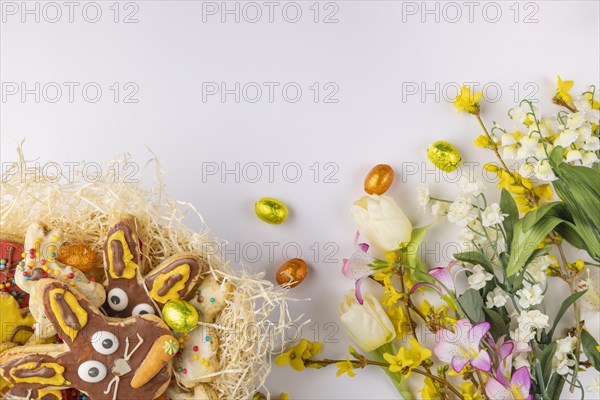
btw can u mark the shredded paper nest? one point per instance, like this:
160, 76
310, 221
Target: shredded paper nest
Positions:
253, 324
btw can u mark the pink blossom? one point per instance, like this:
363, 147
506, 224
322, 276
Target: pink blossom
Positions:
461, 347
358, 266
516, 389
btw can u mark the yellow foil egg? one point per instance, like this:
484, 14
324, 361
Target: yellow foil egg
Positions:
180, 315
292, 273
444, 156
379, 179
271, 210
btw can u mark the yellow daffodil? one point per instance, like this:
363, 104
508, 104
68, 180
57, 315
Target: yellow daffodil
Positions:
345, 367
408, 359
467, 101
562, 90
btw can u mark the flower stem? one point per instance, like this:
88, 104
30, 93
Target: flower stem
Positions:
494, 145
443, 382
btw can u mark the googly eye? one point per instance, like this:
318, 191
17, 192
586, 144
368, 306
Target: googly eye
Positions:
142, 309
117, 299
105, 342
92, 371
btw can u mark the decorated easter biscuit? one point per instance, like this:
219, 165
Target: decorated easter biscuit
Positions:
211, 298
15, 322
105, 358
128, 292
39, 262
198, 360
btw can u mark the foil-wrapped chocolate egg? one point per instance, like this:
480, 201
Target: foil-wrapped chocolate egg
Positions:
78, 256
270, 210
292, 273
180, 315
444, 156
379, 179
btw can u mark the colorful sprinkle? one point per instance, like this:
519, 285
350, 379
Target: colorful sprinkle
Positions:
212, 299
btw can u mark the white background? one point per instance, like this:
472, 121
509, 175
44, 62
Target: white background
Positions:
376, 54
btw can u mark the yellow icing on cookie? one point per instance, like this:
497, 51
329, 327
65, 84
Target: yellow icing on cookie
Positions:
130, 266
11, 316
75, 308
56, 380
45, 392
173, 293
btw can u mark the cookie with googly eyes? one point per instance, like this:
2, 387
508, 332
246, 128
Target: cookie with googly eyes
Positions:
104, 358
39, 262
211, 298
128, 292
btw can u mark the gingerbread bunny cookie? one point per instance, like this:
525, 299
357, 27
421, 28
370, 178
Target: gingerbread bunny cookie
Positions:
128, 292
39, 261
105, 358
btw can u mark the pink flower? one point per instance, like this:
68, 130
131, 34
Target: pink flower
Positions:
358, 267
461, 347
442, 276
517, 389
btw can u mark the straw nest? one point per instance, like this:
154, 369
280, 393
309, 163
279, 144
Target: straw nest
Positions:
83, 204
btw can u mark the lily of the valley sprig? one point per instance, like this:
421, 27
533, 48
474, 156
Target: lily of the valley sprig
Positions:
496, 339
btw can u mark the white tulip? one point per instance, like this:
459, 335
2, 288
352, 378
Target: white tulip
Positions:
368, 325
382, 222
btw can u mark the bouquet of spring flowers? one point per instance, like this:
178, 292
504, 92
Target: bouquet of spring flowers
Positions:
494, 338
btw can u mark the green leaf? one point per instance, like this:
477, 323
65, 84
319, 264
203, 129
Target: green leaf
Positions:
499, 325
529, 231
409, 254
579, 189
546, 360
472, 304
508, 206
590, 348
563, 308
555, 387
475, 258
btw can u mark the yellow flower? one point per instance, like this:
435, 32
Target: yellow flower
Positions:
296, 355
562, 90
469, 391
390, 295
408, 359
489, 167
430, 390
577, 266
484, 142
467, 101
544, 191
384, 275
399, 320
345, 367
284, 396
